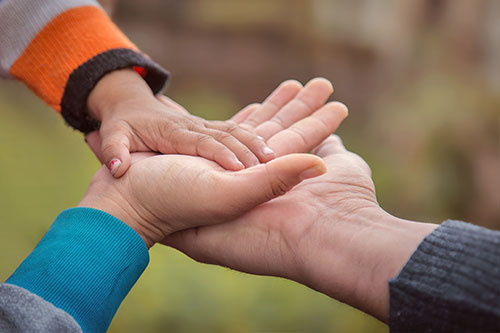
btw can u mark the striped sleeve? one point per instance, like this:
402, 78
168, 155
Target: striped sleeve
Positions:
61, 48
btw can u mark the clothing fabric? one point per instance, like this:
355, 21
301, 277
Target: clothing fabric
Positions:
61, 48
451, 283
84, 266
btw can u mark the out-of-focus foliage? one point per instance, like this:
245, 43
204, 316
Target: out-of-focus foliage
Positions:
421, 79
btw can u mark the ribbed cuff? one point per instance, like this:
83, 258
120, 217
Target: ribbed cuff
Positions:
450, 283
85, 265
83, 79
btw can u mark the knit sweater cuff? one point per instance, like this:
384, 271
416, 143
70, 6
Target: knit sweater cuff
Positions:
450, 283
85, 265
67, 47
84, 78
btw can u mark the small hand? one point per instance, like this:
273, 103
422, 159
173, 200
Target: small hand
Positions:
166, 193
133, 120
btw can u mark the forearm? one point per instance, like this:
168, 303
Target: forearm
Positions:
360, 254
65, 50
85, 265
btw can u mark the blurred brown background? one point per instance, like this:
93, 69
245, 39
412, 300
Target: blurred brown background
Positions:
422, 82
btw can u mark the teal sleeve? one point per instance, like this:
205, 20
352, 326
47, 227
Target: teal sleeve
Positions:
85, 265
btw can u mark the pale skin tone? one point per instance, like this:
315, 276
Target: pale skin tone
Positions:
166, 193
133, 120
327, 232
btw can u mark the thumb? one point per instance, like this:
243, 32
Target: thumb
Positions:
115, 152
265, 182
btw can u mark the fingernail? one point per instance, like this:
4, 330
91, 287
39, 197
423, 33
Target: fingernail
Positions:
267, 151
238, 162
114, 165
313, 172
260, 137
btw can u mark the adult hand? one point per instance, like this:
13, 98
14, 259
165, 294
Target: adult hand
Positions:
166, 193
328, 233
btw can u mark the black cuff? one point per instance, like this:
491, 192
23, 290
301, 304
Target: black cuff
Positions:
85, 77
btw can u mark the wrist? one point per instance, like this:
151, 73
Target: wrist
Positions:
357, 257
103, 197
113, 89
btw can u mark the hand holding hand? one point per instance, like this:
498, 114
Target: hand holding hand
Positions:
328, 233
133, 120
166, 193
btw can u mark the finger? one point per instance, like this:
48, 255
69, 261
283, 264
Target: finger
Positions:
242, 152
309, 132
115, 152
332, 145
93, 140
244, 113
278, 99
265, 182
172, 104
200, 144
309, 99
249, 139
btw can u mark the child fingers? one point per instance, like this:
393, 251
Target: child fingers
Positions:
205, 145
247, 137
242, 152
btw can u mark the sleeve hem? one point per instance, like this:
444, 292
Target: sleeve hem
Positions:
85, 265
83, 79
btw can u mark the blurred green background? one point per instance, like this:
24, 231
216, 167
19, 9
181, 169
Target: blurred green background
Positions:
422, 82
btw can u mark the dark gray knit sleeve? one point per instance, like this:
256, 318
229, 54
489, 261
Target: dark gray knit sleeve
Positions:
22, 311
451, 283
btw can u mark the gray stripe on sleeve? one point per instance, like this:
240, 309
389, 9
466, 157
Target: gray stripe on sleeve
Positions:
20, 22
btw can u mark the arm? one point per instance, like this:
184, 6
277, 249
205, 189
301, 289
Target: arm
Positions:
82, 268
450, 282
72, 55
61, 49
330, 234
89, 259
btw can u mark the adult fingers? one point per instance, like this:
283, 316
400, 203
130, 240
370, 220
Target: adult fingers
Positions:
331, 145
278, 99
265, 182
314, 94
244, 113
309, 132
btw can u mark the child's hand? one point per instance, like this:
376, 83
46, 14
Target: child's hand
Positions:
133, 119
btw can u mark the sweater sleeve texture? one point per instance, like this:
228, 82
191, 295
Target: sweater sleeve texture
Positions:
451, 283
61, 48
85, 265
22, 311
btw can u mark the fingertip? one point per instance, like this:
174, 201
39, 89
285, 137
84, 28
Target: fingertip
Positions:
291, 84
321, 82
341, 108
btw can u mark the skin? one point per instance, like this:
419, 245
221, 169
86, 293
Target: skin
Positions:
328, 233
346, 247
161, 194
133, 120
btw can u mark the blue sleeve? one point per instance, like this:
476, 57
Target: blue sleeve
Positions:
85, 265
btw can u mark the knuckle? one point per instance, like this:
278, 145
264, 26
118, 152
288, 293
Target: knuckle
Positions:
278, 187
